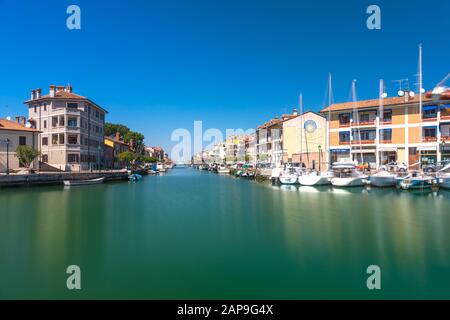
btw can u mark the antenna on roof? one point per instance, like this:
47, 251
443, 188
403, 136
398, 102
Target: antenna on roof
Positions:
403, 86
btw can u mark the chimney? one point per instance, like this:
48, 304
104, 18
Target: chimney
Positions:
60, 88
22, 120
117, 136
52, 91
33, 94
17, 119
38, 93
69, 88
295, 113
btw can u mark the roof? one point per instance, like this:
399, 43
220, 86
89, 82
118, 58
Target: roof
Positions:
62, 94
374, 103
276, 121
14, 126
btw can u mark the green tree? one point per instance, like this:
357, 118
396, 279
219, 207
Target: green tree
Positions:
138, 141
26, 155
111, 129
126, 156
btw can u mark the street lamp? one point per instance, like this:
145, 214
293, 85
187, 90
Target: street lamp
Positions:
7, 141
320, 156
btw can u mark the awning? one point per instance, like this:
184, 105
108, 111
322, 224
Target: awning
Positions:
426, 148
429, 108
364, 151
388, 149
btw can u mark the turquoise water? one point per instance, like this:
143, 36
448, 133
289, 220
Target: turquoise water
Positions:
197, 235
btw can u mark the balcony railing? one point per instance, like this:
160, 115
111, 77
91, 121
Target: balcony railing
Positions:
445, 139
386, 121
344, 143
344, 124
363, 123
372, 141
385, 141
445, 116
429, 119
429, 139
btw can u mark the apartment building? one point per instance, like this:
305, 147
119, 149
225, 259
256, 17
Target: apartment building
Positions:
390, 129
71, 126
12, 135
113, 147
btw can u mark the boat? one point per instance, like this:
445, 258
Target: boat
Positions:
416, 180
135, 177
289, 176
346, 175
275, 175
443, 177
161, 167
314, 178
222, 169
72, 183
383, 179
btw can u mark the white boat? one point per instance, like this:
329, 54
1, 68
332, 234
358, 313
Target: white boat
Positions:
160, 167
383, 179
276, 173
314, 179
289, 176
223, 170
346, 175
71, 183
417, 180
443, 177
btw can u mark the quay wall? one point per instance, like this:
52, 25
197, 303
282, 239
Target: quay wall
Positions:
51, 178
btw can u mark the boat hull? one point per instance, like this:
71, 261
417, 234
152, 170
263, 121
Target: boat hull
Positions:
415, 184
348, 182
72, 183
306, 180
383, 182
288, 180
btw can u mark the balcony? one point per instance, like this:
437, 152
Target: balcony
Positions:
344, 143
429, 139
385, 141
445, 139
363, 123
344, 124
386, 121
429, 119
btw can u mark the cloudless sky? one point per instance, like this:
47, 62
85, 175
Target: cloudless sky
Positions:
160, 65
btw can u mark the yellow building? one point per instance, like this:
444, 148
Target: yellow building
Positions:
391, 129
304, 140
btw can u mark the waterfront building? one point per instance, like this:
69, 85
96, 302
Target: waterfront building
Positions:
269, 140
231, 149
113, 147
304, 140
12, 135
218, 153
71, 128
397, 131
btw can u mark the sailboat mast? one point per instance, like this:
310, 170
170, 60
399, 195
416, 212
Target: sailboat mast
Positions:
420, 93
301, 124
330, 102
355, 108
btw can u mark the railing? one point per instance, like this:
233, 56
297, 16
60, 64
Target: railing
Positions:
344, 143
429, 139
445, 139
385, 141
386, 121
445, 116
364, 123
429, 119
363, 141
344, 124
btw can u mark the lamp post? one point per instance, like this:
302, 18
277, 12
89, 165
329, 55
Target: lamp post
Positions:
7, 141
320, 156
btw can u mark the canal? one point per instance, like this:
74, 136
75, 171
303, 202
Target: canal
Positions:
197, 235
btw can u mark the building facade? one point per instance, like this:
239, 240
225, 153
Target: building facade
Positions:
12, 135
71, 126
304, 140
113, 147
390, 129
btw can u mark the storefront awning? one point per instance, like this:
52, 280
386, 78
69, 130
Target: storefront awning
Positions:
426, 148
388, 149
364, 151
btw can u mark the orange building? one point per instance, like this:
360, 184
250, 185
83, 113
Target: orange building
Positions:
391, 129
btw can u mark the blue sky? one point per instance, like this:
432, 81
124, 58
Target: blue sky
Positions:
160, 65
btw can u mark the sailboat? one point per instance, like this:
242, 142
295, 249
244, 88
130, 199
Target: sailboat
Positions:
315, 178
443, 177
382, 178
345, 173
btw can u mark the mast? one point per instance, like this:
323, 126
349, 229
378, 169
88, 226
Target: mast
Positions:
420, 99
330, 102
301, 124
380, 121
355, 110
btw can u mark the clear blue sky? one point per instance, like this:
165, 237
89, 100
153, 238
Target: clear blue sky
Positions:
160, 65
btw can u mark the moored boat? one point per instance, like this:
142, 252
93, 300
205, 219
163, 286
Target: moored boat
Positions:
383, 179
417, 180
314, 179
346, 175
72, 183
289, 176
222, 169
443, 177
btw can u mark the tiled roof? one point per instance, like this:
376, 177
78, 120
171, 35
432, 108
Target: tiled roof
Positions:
14, 126
373, 103
61, 94
113, 139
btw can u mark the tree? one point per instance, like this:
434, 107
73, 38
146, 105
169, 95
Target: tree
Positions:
126, 156
26, 155
111, 129
138, 141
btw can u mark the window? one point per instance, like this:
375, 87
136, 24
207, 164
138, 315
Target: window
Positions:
387, 115
386, 135
72, 139
344, 118
72, 105
61, 138
54, 139
344, 136
45, 124
97, 114
45, 158
35, 109
102, 116
45, 107
364, 117
54, 121
72, 122
62, 121
429, 112
22, 141
45, 141
73, 158
429, 132
81, 122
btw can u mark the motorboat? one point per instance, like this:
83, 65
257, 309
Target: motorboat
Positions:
135, 177
161, 167
222, 169
346, 175
314, 178
443, 177
416, 180
382, 179
276, 173
72, 183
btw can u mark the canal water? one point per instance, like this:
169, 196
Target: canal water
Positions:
197, 235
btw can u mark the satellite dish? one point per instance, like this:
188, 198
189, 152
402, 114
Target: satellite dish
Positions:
28, 125
412, 94
384, 95
422, 90
8, 118
401, 93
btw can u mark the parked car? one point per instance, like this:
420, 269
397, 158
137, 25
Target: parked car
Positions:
435, 166
395, 167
